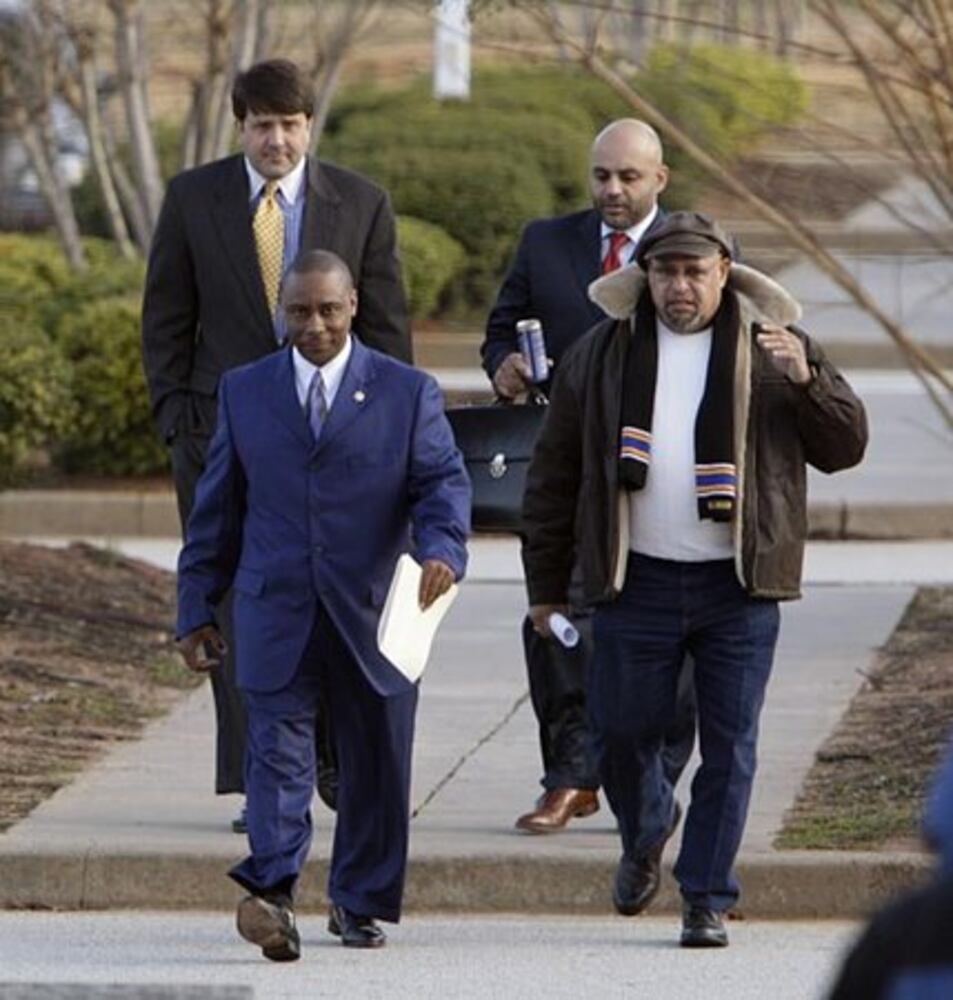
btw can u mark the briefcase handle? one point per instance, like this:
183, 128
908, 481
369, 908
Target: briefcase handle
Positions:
534, 397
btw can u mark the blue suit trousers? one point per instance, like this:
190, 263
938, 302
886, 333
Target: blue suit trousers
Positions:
373, 739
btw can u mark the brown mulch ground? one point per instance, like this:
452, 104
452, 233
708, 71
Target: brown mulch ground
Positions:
866, 788
86, 659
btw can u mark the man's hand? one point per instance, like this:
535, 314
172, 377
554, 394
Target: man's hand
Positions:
786, 350
512, 378
539, 616
435, 580
194, 646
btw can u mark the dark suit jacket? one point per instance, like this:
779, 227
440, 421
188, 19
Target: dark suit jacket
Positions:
205, 310
556, 261
292, 523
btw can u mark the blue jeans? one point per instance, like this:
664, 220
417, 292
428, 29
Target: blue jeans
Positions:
665, 611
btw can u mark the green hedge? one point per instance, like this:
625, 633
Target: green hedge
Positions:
431, 260
554, 147
71, 378
519, 148
473, 196
36, 404
112, 433
724, 98
38, 286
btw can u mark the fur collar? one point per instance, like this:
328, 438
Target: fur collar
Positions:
617, 293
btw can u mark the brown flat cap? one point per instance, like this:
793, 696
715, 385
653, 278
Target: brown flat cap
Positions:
690, 234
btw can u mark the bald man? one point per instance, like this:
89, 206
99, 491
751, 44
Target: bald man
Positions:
555, 262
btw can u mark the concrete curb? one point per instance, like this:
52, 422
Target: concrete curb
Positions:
790, 886
145, 514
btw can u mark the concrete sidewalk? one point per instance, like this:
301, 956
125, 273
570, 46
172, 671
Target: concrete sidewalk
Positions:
142, 828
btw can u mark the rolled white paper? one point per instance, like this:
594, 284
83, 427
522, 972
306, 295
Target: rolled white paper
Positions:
563, 629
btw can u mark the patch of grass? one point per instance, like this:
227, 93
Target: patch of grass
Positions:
867, 784
850, 829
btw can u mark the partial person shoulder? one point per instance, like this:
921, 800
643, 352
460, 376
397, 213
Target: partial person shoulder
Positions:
542, 231
346, 183
206, 177
243, 377
398, 373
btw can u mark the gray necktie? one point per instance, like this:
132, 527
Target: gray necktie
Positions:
317, 404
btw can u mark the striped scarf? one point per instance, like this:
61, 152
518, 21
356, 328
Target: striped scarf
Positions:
715, 472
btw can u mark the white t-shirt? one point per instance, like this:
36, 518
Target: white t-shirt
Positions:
663, 515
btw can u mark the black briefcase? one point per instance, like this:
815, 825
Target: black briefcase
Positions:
497, 443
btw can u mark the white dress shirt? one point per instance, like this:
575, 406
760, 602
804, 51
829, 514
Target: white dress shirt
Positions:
332, 373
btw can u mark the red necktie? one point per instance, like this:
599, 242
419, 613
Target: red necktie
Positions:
612, 260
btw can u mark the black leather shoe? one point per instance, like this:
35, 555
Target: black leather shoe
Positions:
637, 879
271, 925
702, 928
355, 931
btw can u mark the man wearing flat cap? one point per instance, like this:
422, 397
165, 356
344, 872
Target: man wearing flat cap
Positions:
673, 462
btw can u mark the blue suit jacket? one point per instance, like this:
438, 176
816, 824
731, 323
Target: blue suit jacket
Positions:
556, 261
290, 522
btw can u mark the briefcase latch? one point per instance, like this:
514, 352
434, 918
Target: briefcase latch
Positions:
498, 466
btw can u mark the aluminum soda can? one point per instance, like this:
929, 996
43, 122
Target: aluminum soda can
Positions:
532, 345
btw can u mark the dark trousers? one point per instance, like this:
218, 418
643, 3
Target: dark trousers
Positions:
188, 460
668, 610
558, 685
373, 739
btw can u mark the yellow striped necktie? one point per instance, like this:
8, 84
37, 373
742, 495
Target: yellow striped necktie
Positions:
268, 226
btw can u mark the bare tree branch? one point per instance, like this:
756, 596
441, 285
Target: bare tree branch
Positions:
28, 69
920, 362
333, 39
130, 61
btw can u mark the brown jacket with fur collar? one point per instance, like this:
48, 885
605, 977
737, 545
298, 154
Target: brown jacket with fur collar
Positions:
573, 503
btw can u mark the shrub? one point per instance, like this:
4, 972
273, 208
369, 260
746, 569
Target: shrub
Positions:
476, 197
456, 164
724, 97
33, 271
557, 149
478, 169
35, 401
112, 432
431, 259
38, 286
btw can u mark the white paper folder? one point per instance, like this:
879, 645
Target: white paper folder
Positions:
405, 633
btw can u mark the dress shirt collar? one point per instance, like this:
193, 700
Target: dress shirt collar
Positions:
289, 185
635, 233
332, 374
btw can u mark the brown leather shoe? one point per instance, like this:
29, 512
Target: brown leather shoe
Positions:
556, 808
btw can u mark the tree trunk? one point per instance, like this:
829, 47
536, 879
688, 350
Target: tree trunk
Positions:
97, 153
665, 22
332, 44
132, 82
31, 134
245, 52
126, 189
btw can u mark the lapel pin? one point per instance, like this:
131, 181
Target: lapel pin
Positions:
359, 396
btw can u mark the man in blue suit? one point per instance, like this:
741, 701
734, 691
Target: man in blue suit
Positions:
328, 461
556, 261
